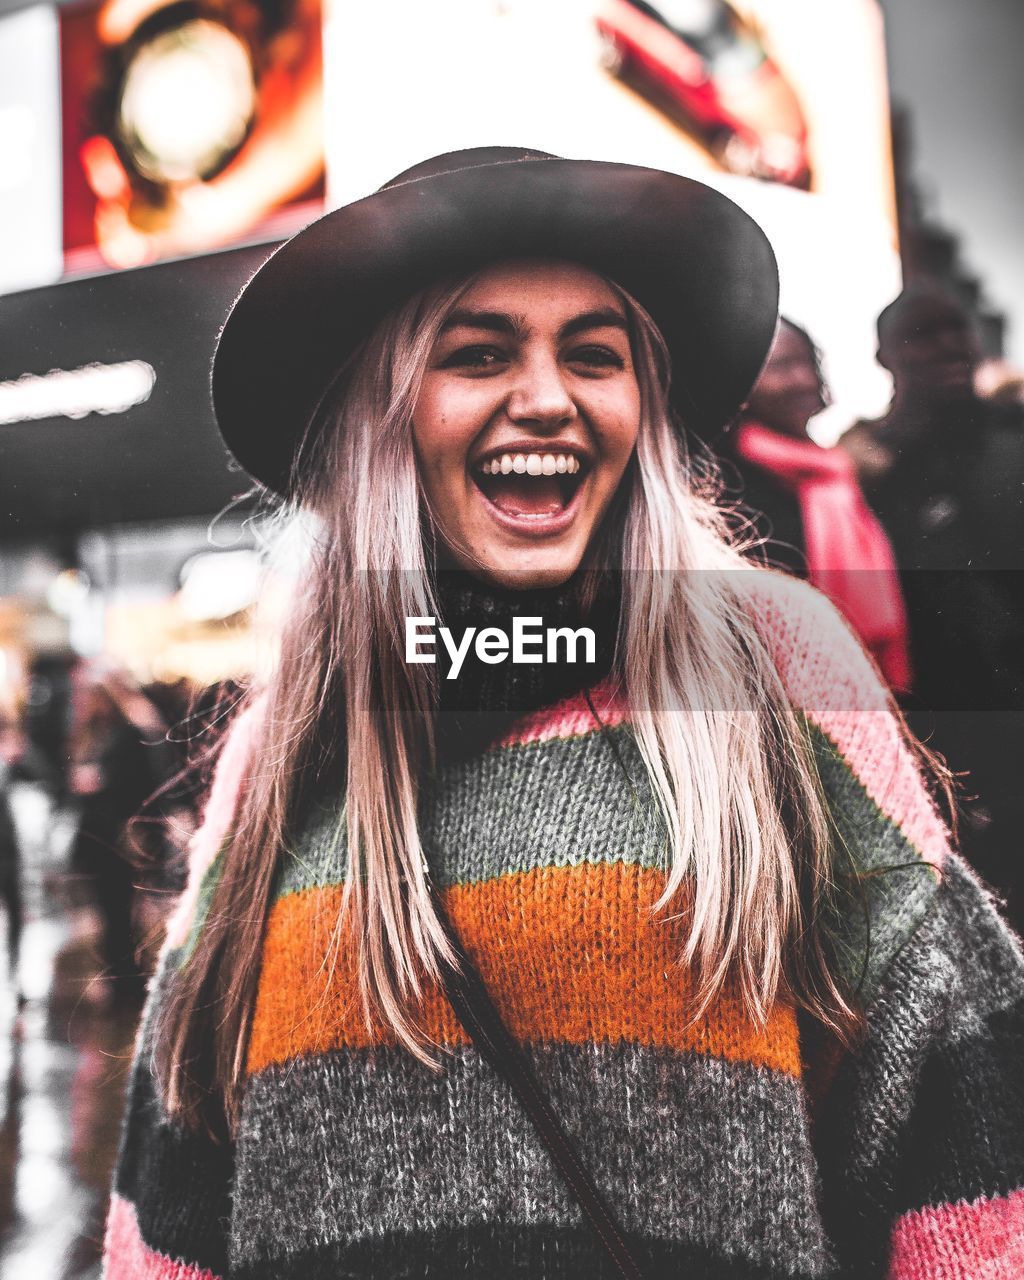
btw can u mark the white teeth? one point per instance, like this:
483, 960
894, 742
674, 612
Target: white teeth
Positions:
533, 464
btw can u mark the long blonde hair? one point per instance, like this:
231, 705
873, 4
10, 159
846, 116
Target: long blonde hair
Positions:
728, 758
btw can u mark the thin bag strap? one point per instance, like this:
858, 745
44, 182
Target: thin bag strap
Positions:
483, 1023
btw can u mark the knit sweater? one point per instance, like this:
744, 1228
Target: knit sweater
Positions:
729, 1149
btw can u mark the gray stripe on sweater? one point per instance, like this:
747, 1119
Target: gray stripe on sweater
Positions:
961, 968
559, 803
993, 980
354, 1146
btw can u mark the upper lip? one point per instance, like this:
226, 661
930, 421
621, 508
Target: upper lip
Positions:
568, 447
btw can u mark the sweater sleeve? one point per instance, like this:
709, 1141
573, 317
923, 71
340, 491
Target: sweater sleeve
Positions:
921, 1139
921, 1136
170, 1205
954, 1003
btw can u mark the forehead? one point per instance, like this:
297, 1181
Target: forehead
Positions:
539, 288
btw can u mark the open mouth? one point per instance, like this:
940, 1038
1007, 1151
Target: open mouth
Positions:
530, 486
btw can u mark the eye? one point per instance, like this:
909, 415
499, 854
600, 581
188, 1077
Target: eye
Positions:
476, 357
595, 356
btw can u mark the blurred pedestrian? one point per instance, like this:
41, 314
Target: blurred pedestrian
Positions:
10, 860
117, 753
954, 454
806, 501
15, 751
945, 473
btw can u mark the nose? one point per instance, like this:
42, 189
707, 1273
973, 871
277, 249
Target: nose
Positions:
540, 396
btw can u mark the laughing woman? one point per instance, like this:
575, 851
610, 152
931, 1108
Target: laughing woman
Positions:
652, 963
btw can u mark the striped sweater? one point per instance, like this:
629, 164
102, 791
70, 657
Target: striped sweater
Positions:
729, 1149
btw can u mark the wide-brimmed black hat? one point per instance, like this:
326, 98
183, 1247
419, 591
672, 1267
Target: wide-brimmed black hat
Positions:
700, 265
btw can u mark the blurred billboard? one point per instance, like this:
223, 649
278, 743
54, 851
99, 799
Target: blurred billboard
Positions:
195, 126
783, 104
30, 239
187, 125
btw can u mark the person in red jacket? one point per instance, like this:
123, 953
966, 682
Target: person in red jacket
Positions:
807, 503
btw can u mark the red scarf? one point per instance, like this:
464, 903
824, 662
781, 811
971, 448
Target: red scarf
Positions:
849, 555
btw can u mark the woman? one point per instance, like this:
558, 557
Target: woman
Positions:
667, 872
10, 854
819, 524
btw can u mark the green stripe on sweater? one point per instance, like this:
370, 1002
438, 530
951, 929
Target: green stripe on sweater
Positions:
887, 886
517, 808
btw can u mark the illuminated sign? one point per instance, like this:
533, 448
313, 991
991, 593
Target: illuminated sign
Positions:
121, 428
760, 98
186, 128
30, 242
75, 393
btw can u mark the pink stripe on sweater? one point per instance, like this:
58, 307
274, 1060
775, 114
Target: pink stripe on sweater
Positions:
126, 1256
228, 777
979, 1241
568, 719
830, 677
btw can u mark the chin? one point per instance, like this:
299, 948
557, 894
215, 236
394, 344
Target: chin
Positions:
531, 579
527, 572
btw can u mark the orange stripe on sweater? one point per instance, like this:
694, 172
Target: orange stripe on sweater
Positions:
569, 954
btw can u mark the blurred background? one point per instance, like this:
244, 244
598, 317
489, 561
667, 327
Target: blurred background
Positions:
153, 154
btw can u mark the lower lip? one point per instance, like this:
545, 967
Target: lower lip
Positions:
546, 526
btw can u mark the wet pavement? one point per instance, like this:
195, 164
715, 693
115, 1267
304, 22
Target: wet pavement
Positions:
64, 1055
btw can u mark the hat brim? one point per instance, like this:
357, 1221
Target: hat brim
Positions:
699, 264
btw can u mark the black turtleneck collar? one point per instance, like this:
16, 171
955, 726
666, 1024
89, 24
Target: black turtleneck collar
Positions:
484, 699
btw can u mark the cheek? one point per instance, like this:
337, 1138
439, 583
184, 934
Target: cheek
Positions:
443, 425
768, 388
430, 427
617, 425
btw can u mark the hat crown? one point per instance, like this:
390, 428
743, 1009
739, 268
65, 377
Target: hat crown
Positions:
469, 158
701, 267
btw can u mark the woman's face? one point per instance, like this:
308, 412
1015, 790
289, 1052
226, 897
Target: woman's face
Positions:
527, 417
789, 391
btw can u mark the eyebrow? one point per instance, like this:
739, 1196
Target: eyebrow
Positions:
493, 321
605, 318
515, 326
